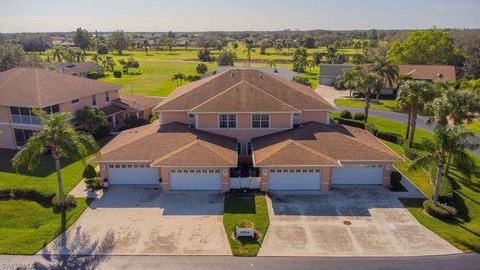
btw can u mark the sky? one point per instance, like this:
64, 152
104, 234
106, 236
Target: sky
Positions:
234, 15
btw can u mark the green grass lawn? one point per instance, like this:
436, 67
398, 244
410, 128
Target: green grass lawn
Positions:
464, 231
474, 127
26, 227
248, 207
384, 105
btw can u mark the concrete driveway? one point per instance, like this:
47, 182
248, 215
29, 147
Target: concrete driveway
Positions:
145, 221
313, 224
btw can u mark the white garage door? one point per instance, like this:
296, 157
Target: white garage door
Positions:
298, 180
357, 175
195, 180
133, 176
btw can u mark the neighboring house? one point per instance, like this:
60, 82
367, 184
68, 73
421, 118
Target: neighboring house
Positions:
330, 72
137, 106
22, 89
81, 69
245, 129
284, 73
434, 73
62, 41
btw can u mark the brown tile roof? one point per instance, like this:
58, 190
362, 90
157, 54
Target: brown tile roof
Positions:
78, 67
435, 73
136, 102
319, 144
244, 97
33, 87
111, 109
173, 144
191, 95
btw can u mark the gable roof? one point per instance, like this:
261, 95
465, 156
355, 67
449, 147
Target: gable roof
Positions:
78, 67
173, 144
244, 97
319, 144
136, 102
191, 95
33, 87
281, 72
435, 73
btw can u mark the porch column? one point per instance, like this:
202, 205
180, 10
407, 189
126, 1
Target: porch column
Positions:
326, 178
387, 171
113, 121
264, 174
225, 179
165, 173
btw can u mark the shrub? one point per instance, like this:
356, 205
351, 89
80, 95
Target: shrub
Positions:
89, 172
370, 127
201, 68
346, 114
192, 78
101, 132
358, 95
301, 80
226, 58
391, 137
350, 122
411, 153
204, 55
441, 211
44, 199
69, 202
93, 183
445, 193
395, 179
359, 116
135, 122
117, 74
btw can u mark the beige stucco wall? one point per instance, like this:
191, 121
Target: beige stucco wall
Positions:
307, 116
182, 117
244, 120
4, 114
7, 138
87, 101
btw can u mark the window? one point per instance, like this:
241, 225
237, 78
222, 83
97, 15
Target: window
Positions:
52, 109
94, 100
249, 148
22, 136
75, 101
260, 121
239, 148
227, 121
107, 96
23, 115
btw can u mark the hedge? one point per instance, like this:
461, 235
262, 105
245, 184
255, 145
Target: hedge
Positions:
371, 128
45, 199
346, 114
349, 122
359, 116
441, 211
391, 137
445, 193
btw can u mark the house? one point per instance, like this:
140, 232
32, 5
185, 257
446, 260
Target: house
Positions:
22, 89
284, 73
137, 106
330, 72
244, 128
434, 73
81, 69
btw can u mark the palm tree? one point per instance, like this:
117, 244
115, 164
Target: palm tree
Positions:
349, 78
385, 69
178, 77
301, 63
91, 119
278, 47
413, 96
58, 137
455, 107
446, 139
248, 49
58, 53
368, 83
108, 63
95, 58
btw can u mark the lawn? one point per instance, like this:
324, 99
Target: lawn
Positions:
250, 207
464, 231
26, 227
384, 105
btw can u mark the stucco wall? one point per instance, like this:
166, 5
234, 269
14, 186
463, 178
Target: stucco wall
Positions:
7, 138
87, 101
4, 114
182, 117
307, 116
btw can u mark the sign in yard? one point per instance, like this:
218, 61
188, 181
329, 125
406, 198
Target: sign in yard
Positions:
245, 232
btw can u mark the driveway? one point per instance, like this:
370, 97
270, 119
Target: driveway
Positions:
145, 221
317, 224
329, 93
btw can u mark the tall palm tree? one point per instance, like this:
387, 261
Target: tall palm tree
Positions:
95, 58
249, 49
108, 63
301, 63
349, 78
59, 138
413, 96
385, 69
455, 107
278, 47
368, 83
59, 53
445, 140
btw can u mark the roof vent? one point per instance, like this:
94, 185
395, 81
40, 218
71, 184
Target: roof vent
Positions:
233, 74
439, 75
275, 70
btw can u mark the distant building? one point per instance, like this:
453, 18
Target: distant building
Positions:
81, 69
330, 72
281, 72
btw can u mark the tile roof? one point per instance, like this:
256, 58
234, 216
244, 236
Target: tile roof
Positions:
282, 72
319, 144
111, 109
244, 97
191, 95
435, 73
33, 87
173, 144
78, 67
136, 102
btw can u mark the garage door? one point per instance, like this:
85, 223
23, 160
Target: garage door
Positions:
133, 176
294, 180
357, 175
195, 180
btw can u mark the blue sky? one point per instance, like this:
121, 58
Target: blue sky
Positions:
209, 15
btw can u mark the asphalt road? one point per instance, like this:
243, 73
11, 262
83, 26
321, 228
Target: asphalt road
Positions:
401, 117
469, 261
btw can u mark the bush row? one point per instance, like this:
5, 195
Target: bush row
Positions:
441, 211
359, 116
350, 122
44, 199
391, 137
